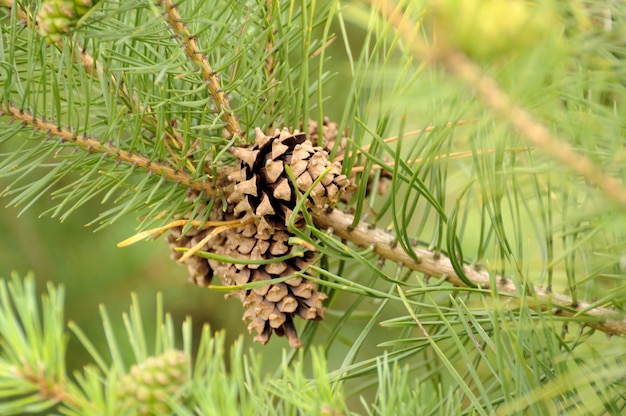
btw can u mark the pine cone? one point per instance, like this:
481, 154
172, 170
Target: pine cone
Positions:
329, 138
262, 196
57, 17
263, 188
146, 388
270, 307
199, 270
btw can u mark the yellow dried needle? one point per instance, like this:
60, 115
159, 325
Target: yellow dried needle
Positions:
147, 233
226, 225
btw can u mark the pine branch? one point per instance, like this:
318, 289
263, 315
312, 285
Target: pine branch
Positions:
494, 97
160, 379
440, 266
485, 360
210, 77
530, 128
92, 145
429, 263
90, 64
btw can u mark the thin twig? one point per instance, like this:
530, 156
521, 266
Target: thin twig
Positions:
416, 132
494, 97
270, 63
92, 145
450, 156
532, 129
209, 76
438, 265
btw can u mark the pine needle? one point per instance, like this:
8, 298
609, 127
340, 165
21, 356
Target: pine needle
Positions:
178, 223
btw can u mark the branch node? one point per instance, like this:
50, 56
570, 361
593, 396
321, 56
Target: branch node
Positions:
381, 262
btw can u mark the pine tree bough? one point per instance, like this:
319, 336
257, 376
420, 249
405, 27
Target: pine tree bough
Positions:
231, 123
383, 243
263, 194
94, 146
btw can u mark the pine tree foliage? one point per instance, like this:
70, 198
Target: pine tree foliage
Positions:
475, 267
163, 378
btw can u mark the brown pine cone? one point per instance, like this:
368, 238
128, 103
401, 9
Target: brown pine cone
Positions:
330, 135
271, 307
263, 187
262, 196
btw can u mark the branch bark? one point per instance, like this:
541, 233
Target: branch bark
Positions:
437, 265
93, 145
210, 77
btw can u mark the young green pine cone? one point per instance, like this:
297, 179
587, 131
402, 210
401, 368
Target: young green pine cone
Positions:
57, 17
147, 387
